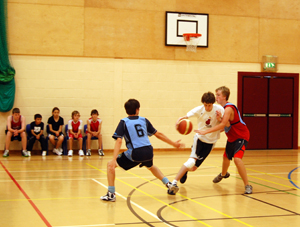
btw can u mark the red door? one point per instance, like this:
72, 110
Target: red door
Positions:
269, 106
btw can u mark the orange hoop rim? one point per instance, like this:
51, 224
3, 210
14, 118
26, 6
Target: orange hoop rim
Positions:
187, 36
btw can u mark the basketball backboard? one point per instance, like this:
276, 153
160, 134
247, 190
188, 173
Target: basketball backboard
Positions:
178, 23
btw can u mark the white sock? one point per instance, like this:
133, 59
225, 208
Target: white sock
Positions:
174, 182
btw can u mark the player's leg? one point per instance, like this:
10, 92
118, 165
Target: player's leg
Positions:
188, 165
24, 143
172, 189
80, 141
225, 165
8, 138
31, 141
52, 139
70, 152
241, 167
100, 151
43, 145
60, 140
227, 156
88, 141
125, 164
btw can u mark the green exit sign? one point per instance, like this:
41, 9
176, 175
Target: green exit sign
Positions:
269, 63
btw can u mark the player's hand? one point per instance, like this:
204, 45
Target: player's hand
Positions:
219, 115
200, 132
76, 135
179, 119
178, 144
56, 133
16, 133
37, 137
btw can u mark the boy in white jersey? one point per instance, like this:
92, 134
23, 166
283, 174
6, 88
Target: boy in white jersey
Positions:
135, 130
207, 117
94, 125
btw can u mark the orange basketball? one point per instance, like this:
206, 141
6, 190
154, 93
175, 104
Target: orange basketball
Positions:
185, 126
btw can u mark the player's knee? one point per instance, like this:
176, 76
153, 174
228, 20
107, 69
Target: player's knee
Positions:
194, 168
190, 163
237, 160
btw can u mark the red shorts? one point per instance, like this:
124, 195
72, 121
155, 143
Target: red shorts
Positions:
72, 136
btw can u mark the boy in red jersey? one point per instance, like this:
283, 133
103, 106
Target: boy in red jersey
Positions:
94, 130
16, 126
74, 132
237, 134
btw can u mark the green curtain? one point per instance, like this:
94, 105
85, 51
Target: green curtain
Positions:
7, 72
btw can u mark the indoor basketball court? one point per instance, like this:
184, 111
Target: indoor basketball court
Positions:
87, 54
62, 192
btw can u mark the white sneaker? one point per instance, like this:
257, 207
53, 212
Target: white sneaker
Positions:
88, 152
81, 153
44, 153
24, 153
56, 151
29, 153
100, 152
6, 153
70, 153
60, 150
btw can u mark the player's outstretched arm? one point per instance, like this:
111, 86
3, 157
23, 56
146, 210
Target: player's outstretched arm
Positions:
164, 138
223, 123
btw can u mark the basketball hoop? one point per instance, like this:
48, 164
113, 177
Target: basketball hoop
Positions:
192, 40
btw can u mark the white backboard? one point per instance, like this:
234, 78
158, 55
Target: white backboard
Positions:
178, 23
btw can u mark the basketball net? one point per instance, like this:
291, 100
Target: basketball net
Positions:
191, 40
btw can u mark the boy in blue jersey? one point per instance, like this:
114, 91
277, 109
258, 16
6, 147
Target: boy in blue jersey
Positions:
135, 130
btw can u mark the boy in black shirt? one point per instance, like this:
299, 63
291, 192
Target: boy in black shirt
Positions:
36, 133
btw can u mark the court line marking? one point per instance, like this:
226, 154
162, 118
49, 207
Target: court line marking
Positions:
84, 225
210, 208
154, 198
271, 174
290, 179
249, 175
142, 208
27, 197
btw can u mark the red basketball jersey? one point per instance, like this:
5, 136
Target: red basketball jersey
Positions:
75, 126
16, 124
94, 125
238, 130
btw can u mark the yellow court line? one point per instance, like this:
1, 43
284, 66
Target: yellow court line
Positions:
284, 178
170, 206
195, 201
15, 200
273, 182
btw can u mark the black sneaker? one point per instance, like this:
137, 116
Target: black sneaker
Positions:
183, 178
109, 197
218, 178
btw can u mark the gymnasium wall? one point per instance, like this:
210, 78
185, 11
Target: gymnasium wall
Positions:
80, 55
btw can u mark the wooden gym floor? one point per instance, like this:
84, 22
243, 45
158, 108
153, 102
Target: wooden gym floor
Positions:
62, 192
